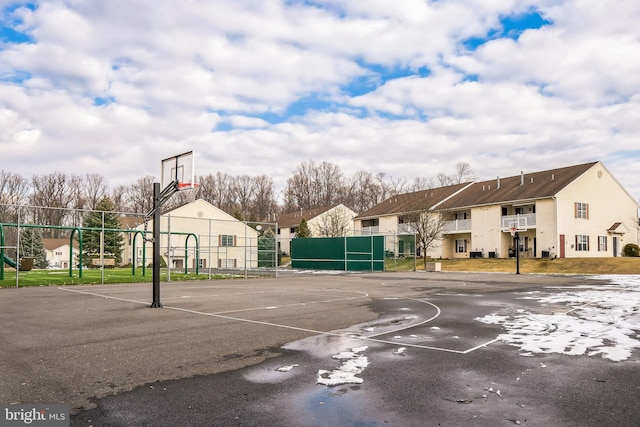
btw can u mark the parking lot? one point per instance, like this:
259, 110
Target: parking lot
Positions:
372, 349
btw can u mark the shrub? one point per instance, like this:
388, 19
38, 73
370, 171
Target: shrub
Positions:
631, 249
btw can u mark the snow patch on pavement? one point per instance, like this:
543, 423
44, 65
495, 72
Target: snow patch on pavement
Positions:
353, 362
601, 320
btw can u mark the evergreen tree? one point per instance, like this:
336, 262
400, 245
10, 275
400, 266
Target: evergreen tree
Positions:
31, 245
303, 229
267, 249
113, 241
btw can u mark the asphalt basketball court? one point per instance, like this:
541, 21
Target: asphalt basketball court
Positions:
75, 344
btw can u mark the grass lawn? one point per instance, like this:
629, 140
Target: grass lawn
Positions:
94, 276
620, 265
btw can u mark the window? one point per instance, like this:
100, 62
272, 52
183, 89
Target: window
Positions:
227, 263
371, 222
227, 240
581, 210
202, 263
602, 243
582, 243
461, 246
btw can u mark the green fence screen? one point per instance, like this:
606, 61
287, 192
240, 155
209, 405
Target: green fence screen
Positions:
360, 253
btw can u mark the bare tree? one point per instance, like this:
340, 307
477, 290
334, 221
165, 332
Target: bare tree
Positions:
299, 193
218, 190
314, 186
363, 191
427, 224
330, 183
118, 195
422, 183
54, 194
442, 180
95, 189
264, 203
463, 173
244, 190
139, 195
334, 223
13, 192
393, 186
78, 202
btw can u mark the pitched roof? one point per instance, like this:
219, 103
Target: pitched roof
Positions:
293, 219
408, 202
526, 186
51, 244
130, 221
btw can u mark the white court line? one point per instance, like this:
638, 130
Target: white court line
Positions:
364, 295
438, 311
103, 296
295, 328
202, 313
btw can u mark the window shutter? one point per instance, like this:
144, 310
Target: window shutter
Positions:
235, 241
575, 214
576, 242
586, 205
219, 239
587, 239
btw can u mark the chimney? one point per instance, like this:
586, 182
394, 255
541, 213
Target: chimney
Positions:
521, 177
553, 177
498, 183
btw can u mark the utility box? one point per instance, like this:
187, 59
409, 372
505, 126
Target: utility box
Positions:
433, 266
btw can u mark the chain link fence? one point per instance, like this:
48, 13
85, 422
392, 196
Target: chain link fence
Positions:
205, 242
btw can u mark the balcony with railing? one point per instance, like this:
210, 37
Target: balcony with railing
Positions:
367, 231
457, 226
406, 228
520, 221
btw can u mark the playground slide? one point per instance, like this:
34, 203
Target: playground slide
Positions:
9, 261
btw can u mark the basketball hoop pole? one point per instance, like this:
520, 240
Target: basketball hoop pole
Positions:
177, 173
517, 237
159, 197
156, 246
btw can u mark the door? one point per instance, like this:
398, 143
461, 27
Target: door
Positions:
615, 246
562, 246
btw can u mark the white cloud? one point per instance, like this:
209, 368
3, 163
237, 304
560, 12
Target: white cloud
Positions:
169, 73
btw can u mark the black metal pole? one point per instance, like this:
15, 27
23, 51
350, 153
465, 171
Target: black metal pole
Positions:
517, 253
156, 246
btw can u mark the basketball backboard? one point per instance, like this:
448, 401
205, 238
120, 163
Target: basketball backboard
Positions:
512, 224
180, 168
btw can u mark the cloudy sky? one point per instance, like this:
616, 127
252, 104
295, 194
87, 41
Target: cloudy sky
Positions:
407, 87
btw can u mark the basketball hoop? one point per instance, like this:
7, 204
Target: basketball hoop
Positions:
187, 186
513, 231
188, 191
